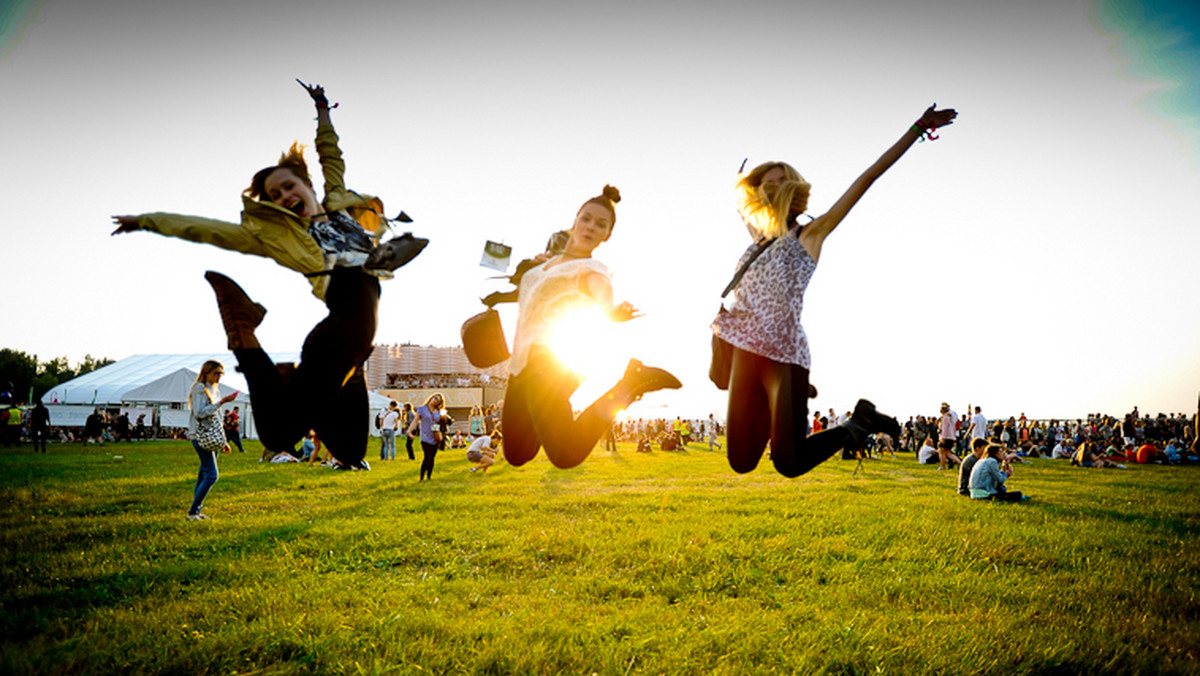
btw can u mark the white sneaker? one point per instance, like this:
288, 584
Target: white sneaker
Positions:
197, 517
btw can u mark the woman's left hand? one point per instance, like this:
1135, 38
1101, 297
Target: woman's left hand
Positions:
623, 312
937, 118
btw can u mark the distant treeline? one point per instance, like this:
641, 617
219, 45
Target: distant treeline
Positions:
28, 379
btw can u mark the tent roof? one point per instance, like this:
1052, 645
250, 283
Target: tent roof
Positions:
107, 386
172, 387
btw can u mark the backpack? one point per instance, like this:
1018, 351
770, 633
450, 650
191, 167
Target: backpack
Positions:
379, 420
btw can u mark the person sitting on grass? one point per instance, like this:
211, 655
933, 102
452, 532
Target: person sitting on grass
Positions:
310, 448
1149, 453
989, 476
978, 450
1062, 450
483, 451
928, 454
1089, 455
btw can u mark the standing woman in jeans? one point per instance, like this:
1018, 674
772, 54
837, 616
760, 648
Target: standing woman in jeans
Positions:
203, 402
429, 416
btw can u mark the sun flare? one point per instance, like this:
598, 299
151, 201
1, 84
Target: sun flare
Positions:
589, 344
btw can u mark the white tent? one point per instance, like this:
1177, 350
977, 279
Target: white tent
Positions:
105, 386
169, 395
162, 380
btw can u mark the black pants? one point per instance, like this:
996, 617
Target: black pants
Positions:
769, 400
235, 437
39, 437
538, 414
408, 441
430, 452
327, 391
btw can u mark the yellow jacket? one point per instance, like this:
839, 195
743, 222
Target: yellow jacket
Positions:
271, 231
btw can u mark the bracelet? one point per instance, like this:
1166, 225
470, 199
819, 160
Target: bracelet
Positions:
925, 134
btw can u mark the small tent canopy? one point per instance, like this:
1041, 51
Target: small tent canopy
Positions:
171, 388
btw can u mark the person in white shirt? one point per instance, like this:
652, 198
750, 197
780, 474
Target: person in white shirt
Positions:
387, 431
1062, 450
979, 425
483, 452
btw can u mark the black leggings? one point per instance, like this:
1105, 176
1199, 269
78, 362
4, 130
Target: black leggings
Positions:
538, 414
326, 392
769, 400
430, 453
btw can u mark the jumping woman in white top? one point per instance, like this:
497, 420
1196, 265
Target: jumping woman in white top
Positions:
537, 406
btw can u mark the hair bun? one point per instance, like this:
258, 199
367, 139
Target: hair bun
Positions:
611, 194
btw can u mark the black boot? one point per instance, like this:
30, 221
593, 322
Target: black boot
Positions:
873, 421
640, 379
395, 253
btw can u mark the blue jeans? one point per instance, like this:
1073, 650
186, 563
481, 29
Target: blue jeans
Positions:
206, 478
387, 444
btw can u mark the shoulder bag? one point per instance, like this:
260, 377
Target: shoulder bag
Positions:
210, 433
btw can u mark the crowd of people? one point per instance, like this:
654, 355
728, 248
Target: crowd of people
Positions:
946, 438
441, 381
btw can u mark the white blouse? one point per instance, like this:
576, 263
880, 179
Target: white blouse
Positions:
545, 295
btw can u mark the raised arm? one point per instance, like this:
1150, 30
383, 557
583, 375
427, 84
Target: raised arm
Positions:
813, 235
333, 168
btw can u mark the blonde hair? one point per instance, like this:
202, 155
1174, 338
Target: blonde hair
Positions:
765, 209
205, 371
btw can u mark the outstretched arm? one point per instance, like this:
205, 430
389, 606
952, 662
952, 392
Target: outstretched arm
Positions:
813, 235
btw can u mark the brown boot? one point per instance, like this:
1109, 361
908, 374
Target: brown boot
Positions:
239, 314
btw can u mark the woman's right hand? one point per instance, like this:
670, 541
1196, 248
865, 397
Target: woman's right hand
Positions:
125, 224
317, 92
229, 398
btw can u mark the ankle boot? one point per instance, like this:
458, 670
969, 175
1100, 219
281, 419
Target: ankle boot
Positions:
395, 253
640, 379
239, 314
874, 421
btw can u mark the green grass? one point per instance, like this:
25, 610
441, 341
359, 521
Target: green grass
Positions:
667, 563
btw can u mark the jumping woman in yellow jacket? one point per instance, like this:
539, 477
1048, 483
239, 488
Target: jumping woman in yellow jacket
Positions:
331, 242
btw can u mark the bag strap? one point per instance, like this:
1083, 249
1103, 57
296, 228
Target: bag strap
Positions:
761, 247
737, 277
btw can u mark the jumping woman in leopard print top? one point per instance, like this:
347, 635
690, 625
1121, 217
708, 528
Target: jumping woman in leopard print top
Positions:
768, 384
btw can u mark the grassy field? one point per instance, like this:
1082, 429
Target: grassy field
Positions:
663, 563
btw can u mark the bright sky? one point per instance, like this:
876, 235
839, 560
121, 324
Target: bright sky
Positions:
1039, 258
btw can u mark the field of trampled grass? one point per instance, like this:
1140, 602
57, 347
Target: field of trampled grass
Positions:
662, 563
